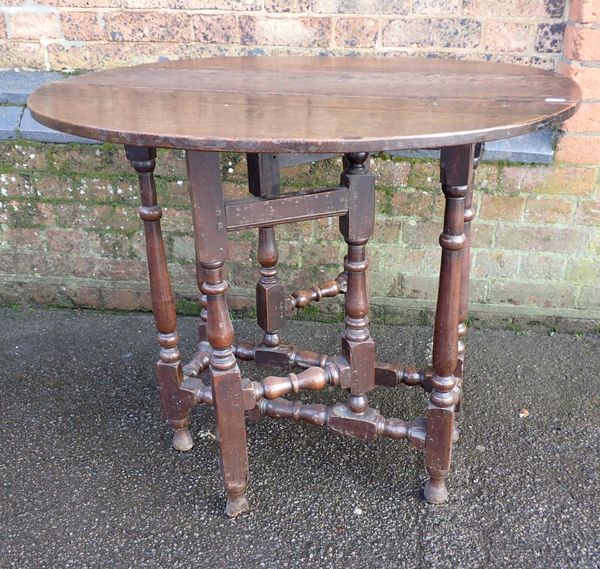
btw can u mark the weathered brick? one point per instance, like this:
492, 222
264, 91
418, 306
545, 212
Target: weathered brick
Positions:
82, 26
507, 36
502, 207
361, 6
425, 175
21, 239
495, 264
85, 160
387, 230
583, 270
435, 7
486, 177
586, 119
589, 298
549, 239
121, 299
171, 163
177, 220
582, 44
67, 241
519, 8
2, 27
282, 6
588, 212
195, 4
549, 180
406, 261
542, 266
588, 78
150, 27
80, 3
97, 217
22, 157
549, 210
390, 173
540, 294
116, 245
585, 11
356, 32
33, 25
296, 32
16, 185
549, 38
215, 29
21, 54
430, 32
409, 203
26, 214
579, 149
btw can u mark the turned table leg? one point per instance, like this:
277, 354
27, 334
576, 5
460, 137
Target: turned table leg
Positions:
357, 226
263, 180
170, 375
456, 167
208, 212
464, 288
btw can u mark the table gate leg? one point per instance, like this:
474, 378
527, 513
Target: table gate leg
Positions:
263, 179
170, 375
356, 227
456, 165
210, 235
464, 289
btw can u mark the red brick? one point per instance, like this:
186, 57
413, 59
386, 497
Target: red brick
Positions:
549, 210
147, 27
295, 32
586, 119
435, 7
548, 180
390, 172
22, 239
582, 44
2, 26
501, 207
585, 11
507, 36
548, 239
15, 185
21, 54
81, 26
579, 149
588, 79
33, 25
430, 32
221, 29
356, 32
387, 230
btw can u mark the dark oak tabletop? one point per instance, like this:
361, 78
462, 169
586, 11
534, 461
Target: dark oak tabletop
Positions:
306, 104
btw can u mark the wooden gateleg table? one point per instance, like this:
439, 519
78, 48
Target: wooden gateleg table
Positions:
271, 106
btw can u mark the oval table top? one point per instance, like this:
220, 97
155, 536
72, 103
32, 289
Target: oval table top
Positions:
306, 104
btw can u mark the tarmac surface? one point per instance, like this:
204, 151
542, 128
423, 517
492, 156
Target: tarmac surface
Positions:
88, 478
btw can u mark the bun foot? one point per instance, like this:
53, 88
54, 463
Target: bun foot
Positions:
182, 440
236, 504
435, 491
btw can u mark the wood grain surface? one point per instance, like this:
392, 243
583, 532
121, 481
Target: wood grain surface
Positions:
306, 104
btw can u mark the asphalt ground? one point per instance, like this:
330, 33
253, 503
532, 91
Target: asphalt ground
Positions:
88, 477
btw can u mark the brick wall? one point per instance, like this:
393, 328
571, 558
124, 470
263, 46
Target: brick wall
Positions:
58, 34
69, 234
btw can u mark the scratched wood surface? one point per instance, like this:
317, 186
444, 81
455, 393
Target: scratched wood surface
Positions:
306, 104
